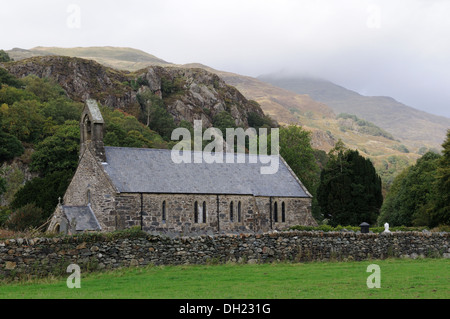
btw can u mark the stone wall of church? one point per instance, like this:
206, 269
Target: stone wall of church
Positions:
90, 184
187, 213
176, 212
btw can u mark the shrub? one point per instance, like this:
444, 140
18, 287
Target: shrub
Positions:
28, 216
4, 215
328, 228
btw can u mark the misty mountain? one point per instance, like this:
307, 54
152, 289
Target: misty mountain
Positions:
412, 126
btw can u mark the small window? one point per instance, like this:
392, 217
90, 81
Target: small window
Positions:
239, 212
204, 212
88, 196
164, 211
196, 212
275, 212
231, 212
283, 212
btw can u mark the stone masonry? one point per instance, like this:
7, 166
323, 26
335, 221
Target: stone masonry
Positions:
45, 256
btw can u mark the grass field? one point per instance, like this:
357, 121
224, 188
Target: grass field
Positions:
406, 279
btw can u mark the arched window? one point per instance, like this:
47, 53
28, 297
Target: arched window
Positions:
283, 212
164, 211
88, 196
204, 212
195, 212
239, 212
275, 212
231, 211
87, 126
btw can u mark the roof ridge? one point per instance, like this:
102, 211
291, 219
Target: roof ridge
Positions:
169, 150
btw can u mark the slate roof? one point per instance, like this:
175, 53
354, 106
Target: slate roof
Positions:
84, 217
140, 170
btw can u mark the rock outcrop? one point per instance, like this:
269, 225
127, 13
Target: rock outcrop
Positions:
196, 93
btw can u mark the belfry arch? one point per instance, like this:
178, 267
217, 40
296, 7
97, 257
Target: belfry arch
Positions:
91, 130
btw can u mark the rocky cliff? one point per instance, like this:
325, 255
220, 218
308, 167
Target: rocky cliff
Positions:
188, 93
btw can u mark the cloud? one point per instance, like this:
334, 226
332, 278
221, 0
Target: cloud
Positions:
397, 48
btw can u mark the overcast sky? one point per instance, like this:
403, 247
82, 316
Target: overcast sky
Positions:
397, 48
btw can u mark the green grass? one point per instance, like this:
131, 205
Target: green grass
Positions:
407, 279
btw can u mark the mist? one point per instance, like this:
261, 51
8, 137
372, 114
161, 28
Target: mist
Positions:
389, 48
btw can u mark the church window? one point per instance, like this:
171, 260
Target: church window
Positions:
204, 212
275, 212
231, 211
239, 212
164, 211
87, 125
196, 212
283, 212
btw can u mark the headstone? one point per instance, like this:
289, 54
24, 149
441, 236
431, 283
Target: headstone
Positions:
386, 228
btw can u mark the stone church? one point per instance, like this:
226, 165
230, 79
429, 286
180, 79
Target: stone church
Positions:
117, 188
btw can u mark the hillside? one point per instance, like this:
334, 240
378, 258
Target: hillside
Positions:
388, 154
281, 104
114, 57
187, 93
314, 109
415, 128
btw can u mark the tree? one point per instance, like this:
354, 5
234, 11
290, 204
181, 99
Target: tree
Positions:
155, 115
43, 192
296, 150
412, 198
44, 88
24, 120
350, 189
59, 151
257, 121
4, 56
28, 216
441, 214
10, 147
2, 185
222, 121
8, 79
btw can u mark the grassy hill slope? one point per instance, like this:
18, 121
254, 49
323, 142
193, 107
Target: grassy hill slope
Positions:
414, 127
114, 57
315, 108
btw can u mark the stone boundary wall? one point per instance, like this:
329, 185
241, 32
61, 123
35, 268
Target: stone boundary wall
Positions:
50, 256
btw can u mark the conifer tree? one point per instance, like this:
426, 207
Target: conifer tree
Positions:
349, 192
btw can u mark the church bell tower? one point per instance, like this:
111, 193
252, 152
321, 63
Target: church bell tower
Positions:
91, 129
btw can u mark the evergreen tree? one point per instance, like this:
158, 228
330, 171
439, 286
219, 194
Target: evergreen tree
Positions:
350, 189
43, 192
